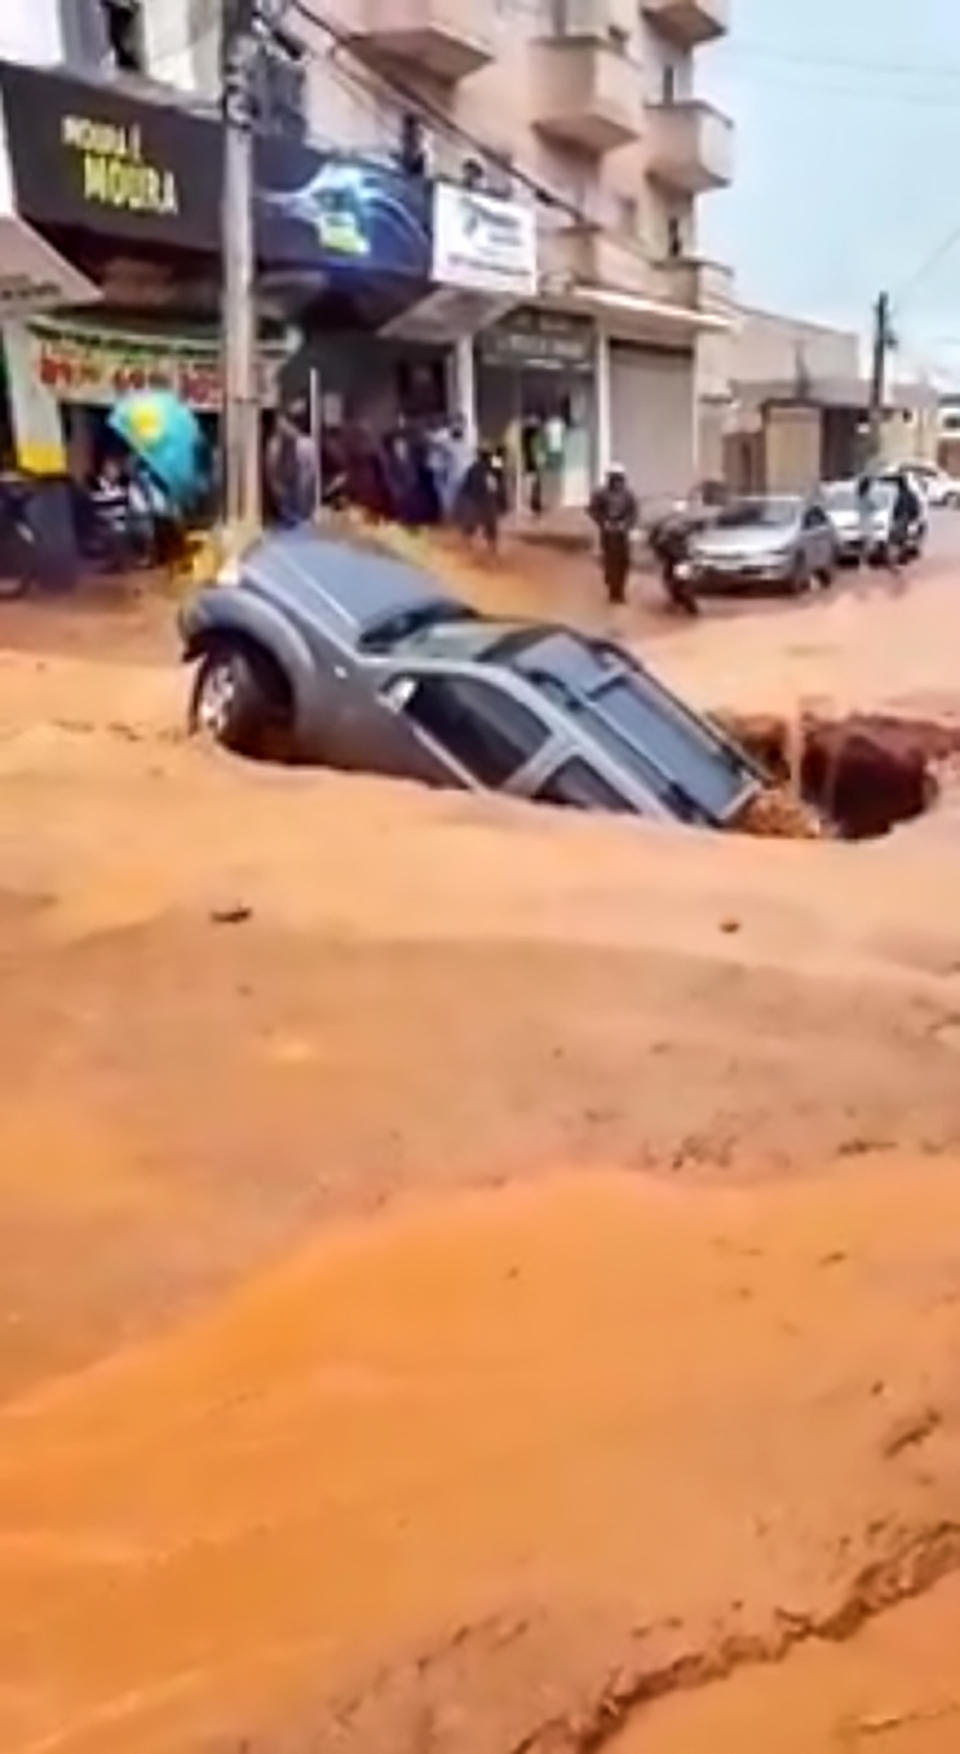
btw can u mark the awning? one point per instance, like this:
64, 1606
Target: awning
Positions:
34, 277
636, 311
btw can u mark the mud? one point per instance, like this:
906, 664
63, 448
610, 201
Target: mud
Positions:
862, 775
470, 1279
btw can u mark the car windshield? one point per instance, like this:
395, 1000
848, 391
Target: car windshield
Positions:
840, 496
760, 514
393, 629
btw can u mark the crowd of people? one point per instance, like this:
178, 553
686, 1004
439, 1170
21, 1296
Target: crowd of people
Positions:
416, 474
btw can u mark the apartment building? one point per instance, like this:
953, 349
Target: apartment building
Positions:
586, 110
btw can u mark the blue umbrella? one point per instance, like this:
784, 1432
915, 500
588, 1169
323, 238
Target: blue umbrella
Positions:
166, 435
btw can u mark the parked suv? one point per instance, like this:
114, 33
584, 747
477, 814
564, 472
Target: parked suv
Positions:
361, 661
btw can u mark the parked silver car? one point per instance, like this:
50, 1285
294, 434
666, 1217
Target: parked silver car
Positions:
362, 661
843, 505
780, 543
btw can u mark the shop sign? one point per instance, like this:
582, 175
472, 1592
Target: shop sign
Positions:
540, 341
484, 243
338, 216
83, 155
88, 157
75, 365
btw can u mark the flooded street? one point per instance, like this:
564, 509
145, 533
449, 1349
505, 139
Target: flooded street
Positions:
471, 1278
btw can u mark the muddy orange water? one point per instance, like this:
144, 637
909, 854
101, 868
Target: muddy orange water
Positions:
502, 1292
490, 1465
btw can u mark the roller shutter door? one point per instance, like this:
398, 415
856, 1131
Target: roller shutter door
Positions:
652, 418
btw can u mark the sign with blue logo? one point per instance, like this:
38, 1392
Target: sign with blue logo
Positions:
340, 215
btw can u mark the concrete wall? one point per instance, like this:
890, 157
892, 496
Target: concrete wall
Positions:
767, 347
792, 449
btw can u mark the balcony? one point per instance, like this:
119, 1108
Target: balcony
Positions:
444, 38
702, 286
690, 147
689, 22
585, 93
589, 256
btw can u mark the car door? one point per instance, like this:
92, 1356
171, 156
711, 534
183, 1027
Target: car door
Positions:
484, 735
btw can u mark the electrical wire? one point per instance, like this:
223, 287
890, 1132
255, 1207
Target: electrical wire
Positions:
849, 64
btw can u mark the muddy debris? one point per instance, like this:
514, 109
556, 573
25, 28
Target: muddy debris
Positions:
857, 777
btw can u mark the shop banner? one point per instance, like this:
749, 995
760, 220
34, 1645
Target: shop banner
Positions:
534, 340
90, 157
484, 243
97, 367
339, 216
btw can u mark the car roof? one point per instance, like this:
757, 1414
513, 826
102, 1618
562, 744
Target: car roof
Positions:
352, 585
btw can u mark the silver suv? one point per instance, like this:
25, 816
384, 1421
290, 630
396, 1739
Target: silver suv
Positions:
360, 661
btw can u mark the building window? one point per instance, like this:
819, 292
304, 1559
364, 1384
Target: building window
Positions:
124, 25
674, 237
668, 84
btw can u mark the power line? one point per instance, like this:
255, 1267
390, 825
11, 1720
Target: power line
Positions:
928, 265
850, 64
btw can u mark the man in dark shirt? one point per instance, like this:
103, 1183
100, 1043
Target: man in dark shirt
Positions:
615, 512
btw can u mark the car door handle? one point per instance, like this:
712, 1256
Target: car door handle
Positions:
398, 693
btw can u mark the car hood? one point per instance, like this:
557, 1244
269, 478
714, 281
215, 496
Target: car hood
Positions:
752, 542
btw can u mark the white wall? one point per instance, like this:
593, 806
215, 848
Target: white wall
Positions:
30, 30
182, 43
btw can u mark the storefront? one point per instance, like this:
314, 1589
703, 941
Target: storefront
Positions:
127, 195
536, 396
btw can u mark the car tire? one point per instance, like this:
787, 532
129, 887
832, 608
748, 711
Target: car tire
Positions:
239, 696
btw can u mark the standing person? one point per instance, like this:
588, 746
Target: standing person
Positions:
451, 457
110, 498
554, 448
479, 499
615, 512
400, 466
906, 511
291, 469
532, 444
865, 507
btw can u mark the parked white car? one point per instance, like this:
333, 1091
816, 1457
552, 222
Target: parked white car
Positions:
939, 489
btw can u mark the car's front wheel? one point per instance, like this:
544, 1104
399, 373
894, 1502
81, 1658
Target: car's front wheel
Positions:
239, 697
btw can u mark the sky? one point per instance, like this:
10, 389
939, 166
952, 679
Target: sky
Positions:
848, 165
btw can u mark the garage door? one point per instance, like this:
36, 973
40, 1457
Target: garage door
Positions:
651, 418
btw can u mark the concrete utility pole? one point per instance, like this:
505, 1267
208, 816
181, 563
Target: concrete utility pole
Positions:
883, 340
241, 407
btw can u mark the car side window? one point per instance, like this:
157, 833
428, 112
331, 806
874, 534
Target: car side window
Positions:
487, 731
580, 787
815, 519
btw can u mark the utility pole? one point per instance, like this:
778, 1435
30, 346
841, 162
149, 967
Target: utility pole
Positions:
241, 406
883, 340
